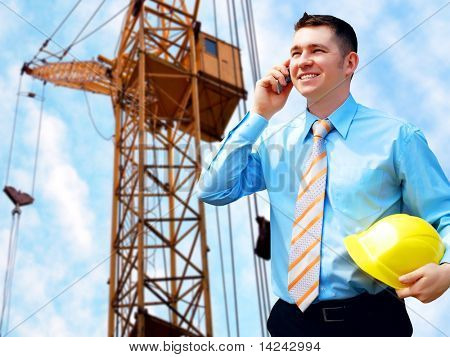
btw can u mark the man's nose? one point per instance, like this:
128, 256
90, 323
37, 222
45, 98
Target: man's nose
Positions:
304, 61
300, 63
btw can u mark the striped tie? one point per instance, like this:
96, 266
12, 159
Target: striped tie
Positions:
304, 253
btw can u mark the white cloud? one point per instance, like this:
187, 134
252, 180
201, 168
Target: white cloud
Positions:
65, 192
410, 59
41, 280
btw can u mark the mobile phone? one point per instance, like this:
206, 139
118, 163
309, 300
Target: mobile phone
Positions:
288, 80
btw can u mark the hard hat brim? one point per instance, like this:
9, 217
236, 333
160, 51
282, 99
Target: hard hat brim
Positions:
363, 260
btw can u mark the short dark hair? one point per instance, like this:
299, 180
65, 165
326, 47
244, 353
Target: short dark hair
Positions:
343, 31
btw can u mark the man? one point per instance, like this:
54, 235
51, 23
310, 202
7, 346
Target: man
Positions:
332, 172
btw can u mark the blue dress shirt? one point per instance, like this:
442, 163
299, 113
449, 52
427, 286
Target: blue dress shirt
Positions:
378, 165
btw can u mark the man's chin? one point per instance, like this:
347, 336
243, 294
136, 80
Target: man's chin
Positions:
309, 95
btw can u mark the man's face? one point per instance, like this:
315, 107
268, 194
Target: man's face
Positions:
315, 51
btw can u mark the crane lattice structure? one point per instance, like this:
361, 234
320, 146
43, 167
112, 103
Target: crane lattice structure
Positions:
171, 87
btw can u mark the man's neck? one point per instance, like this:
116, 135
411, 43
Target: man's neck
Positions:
325, 106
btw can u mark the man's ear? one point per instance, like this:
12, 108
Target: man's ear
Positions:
351, 63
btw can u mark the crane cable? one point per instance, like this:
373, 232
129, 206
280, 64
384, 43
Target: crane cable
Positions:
65, 19
255, 65
76, 42
46, 42
233, 272
11, 147
111, 138
13, 135
261, 283
57, 54
82, 30
9, 272
222, 269
217, 208
229, 211
18, 199
257, 275
38, 141
258, 72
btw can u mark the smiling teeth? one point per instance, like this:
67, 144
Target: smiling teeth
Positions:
308, 76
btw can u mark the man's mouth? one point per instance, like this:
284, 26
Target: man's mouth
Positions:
307, 76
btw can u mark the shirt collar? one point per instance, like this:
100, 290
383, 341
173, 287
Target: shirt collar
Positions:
341, 118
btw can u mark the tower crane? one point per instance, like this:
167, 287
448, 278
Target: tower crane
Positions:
171, 87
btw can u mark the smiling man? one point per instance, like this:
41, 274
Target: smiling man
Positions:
329, 173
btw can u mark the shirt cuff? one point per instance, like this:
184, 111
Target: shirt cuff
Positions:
446, 257
252, 126
445, 235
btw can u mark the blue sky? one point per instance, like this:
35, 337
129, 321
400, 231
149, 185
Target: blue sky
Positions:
67, 231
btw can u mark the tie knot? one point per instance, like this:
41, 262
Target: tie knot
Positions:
322, 127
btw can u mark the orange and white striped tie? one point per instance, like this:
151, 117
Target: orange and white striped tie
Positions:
304, 253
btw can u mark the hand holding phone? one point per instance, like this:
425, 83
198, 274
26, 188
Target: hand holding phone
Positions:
272, 91
287, 79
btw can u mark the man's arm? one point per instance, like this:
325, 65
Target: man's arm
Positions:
235, 170
426, 192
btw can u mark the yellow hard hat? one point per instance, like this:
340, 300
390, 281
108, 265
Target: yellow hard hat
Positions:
394, 246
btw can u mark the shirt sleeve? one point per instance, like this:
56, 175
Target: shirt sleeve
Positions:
425, 188
235, 170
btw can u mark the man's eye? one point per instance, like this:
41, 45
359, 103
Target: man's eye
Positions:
317, 49
295, 53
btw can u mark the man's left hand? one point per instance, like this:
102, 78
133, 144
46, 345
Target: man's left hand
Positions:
426, 283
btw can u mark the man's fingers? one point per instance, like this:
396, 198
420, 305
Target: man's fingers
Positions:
274, 83
411, 277
281, 69
278, 76
269, 82
276, 79
403, 293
